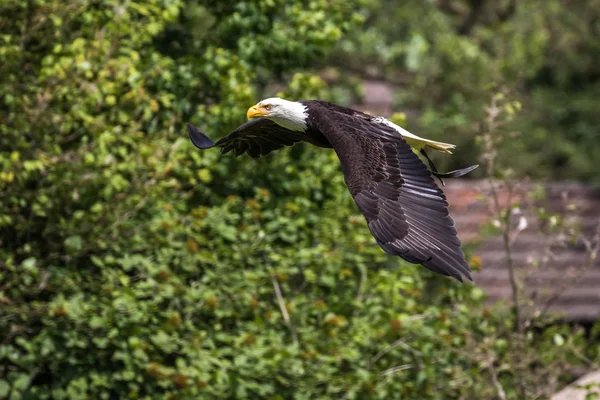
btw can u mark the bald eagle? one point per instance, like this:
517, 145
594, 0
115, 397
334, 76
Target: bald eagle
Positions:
406, 211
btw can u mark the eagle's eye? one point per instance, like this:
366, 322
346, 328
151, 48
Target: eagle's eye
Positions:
268, 107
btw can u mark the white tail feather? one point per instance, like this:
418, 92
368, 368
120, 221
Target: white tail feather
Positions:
415, 141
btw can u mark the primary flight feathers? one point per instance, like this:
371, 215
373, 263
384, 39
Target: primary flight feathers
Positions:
405, 210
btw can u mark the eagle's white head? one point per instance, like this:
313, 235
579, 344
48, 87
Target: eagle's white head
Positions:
289, 114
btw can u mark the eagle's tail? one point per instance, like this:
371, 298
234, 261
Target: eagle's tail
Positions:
419, 143
443, 147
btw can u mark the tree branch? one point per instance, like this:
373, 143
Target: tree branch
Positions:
284, 312
495, 381
471, 20
592, 248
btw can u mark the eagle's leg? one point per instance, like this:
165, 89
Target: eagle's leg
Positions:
434, 170
452, 174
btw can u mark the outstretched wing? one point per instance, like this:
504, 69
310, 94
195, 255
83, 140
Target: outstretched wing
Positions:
406, 211
257, 137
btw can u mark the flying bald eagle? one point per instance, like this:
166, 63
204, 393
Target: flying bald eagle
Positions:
405, 210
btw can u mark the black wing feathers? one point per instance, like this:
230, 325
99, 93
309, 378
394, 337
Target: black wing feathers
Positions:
257, 137
405, 210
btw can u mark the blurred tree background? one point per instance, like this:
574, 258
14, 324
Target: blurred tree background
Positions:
134, 266
446, 57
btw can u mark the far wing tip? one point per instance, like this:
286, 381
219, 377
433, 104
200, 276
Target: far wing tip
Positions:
456, 173
199, 139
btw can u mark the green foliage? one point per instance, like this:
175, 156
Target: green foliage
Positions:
134, 266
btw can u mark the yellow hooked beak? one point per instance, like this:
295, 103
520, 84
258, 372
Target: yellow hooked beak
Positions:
256, 111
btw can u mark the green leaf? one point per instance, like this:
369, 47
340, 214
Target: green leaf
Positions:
73, 243
4, 388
